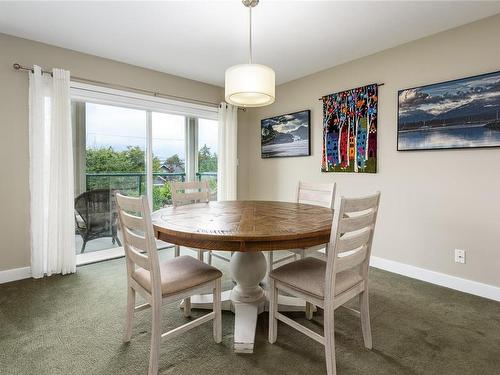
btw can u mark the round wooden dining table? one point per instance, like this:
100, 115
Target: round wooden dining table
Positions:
246, 228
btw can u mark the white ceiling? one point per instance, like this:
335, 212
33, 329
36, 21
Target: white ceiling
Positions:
200, 39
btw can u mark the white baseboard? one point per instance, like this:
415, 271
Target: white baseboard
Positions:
15, 274
437, 278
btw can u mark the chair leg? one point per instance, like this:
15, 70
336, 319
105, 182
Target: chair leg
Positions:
186, 301
331, 367
210, 258
218, 313
270, 260
83, 246
187, 307
273, 309
365, 319
155, 339
309, 306
309, 310
200, 255
129, 314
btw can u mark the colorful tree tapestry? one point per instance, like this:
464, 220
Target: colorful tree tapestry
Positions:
350, 131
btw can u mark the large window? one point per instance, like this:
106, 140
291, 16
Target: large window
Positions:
115, 146
169, 155
207, 153
138, 150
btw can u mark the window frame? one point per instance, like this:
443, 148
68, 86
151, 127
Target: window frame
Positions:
82, 92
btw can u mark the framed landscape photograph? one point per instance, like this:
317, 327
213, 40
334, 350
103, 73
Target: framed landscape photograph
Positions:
286, 135
464, 113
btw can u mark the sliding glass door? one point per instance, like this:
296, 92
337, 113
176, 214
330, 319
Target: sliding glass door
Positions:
138, 152
109, 152
169, 155
207, 153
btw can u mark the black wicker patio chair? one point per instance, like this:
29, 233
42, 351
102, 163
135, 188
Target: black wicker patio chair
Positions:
95, 216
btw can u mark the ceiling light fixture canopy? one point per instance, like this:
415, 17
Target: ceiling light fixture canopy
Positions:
250, 85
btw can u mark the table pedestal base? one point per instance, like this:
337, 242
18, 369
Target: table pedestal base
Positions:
247, 299
245, 324
247, 296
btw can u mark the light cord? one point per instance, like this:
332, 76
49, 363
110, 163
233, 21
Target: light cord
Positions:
250, 36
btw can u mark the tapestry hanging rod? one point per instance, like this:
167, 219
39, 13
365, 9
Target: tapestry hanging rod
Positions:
156, 94
378, 84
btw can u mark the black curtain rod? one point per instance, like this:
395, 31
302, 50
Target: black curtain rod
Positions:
378, 84
157, 94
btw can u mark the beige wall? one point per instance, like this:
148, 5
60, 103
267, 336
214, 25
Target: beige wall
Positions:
14, 190
432, 201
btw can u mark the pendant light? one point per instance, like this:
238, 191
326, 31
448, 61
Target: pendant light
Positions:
250, 85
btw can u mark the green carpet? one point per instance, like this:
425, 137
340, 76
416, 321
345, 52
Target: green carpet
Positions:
73, 325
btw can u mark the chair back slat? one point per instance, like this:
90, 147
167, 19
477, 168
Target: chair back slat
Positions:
355, 223
138, 238
127, 203
190, 184
195, 197
316, 194
351, 238
361, 204
132, 222
354, 241
137, 242
351, 260
190, 192
140, 259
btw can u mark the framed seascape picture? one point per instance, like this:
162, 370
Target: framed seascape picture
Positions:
286, 135
464, 113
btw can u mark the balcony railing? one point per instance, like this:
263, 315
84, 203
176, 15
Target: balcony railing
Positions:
136, 182
130, 181
206, 175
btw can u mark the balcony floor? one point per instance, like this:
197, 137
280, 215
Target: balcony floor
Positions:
94, 245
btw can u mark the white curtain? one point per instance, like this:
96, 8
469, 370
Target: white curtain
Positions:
227, 167
51, 174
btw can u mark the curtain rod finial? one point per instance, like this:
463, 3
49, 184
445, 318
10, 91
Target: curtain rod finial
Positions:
16, 66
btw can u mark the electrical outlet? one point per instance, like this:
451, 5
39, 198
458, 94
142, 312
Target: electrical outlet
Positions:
459, 256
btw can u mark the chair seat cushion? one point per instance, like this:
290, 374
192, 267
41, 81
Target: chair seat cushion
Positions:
308, 276
178, 274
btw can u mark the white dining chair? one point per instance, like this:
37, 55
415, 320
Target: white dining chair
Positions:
307, 193
161, 283
188, 193
332, 283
